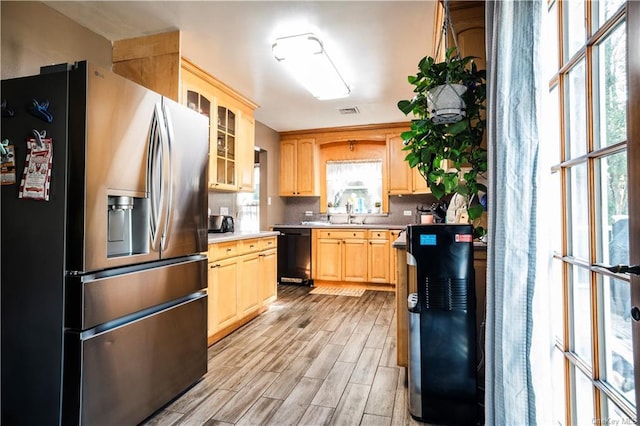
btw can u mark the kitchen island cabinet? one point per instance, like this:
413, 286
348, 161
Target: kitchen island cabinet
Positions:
352, 256
156, 62
242, 281
340, 255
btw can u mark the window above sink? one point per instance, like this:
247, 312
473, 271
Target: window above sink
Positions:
354, 186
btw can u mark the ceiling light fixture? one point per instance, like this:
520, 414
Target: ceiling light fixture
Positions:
305, 58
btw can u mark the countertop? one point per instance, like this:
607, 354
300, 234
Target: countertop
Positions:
319, 225
235, 236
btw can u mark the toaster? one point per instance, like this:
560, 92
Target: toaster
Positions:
220, 223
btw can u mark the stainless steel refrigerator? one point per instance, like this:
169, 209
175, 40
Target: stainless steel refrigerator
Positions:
103, 291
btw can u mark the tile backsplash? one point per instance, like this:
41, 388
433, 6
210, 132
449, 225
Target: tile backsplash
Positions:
297, 206
219, 201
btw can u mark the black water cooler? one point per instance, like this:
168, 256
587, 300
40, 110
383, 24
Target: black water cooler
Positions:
442, 329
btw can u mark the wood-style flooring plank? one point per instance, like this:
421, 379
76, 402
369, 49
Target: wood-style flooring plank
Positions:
317, 415
164, 418
389, 357
207, 408
260, 412
245, 374
351, 406
331, 390
400, 405
366, 366
288, 379
384, 385
353, 348
320, 367
241, 401
315, 345
373, 420
282, 360
293, 408
377, 336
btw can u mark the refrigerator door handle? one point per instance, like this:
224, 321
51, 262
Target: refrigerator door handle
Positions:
168, 145
154, 176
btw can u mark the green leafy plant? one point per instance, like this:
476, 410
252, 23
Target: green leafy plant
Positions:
450, 157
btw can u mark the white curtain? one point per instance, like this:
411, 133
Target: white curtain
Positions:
514, 285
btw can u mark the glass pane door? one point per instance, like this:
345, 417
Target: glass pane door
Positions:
588, 92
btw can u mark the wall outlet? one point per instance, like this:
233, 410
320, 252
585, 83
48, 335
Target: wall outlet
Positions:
308, 213
408, 212
268, 201
224, 210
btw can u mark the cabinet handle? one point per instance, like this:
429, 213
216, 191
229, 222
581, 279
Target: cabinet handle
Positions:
217, 265
251, 246
228, 250
370, 243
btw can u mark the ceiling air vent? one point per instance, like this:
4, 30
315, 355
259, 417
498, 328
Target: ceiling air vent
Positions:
350, 110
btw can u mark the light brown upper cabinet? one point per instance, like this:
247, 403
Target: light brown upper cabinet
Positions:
156, 62
298, 168
402, 179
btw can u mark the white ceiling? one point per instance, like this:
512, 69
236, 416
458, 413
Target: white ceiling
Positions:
375, 45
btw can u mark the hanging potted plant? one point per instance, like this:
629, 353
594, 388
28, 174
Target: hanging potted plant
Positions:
445, 142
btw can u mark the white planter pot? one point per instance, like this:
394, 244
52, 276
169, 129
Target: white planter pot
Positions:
445, 103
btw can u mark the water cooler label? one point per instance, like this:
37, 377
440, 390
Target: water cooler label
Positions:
428, 240
464, 238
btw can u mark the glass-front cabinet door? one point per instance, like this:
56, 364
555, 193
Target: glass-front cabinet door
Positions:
226, 147
231, 129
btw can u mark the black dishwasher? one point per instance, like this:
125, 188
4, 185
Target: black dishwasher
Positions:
294, 255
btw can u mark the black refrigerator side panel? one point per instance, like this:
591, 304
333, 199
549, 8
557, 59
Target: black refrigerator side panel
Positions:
76, 169
33, 261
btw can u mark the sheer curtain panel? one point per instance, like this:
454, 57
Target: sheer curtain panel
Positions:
513, 36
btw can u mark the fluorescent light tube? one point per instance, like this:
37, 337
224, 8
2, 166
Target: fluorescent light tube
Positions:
305, 58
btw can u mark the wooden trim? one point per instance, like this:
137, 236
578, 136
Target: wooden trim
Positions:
402, 315
438, 21
344, 134
354, 285
188, 65
633, 157
146, 46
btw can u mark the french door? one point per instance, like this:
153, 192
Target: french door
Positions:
593, 130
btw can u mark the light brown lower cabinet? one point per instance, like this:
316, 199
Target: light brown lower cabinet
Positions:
267, 276
223, 277
352, 256
378, 258
242, 283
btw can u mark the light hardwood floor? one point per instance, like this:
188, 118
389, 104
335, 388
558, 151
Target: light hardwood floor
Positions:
309, 360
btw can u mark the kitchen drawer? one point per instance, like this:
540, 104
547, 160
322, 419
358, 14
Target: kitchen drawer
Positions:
248, 246
267, 243
378, 234
342, 234
223, 250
